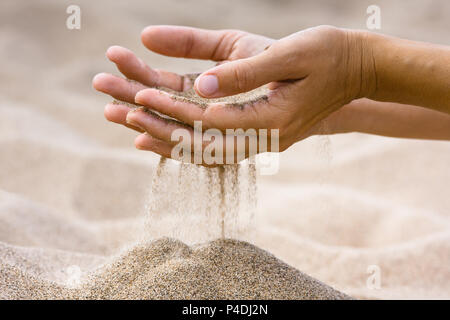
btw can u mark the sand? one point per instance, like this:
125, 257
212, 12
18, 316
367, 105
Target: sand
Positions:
169, 269
238, 100
190, 96
185, 198
221, 269
73, 188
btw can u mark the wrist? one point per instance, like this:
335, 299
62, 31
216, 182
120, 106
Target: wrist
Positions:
362, 67
410, 72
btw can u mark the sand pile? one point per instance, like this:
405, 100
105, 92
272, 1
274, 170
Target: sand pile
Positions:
169, 269
221, 269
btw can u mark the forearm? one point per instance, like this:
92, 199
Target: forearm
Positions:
410, 72
390, 119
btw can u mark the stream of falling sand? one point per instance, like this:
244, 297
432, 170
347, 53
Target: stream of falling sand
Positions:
196, 204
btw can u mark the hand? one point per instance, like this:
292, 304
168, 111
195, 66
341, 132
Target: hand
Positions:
310, 74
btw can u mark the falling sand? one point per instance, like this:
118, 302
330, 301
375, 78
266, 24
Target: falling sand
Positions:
210, 212
186, 199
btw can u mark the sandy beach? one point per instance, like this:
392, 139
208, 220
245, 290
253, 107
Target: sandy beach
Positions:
74, 191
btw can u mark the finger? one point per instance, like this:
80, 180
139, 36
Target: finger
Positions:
134, 68
189, 42
219, 116
169, 105
118, 114
117, 87
156, 126
149, 143
146, 142
242, 75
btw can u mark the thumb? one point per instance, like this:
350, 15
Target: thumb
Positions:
239, 76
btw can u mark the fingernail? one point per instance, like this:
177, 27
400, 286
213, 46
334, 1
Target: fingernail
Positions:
133, 122
208, 85
140, 97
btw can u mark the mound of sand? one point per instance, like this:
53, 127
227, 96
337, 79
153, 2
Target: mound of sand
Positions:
169, 269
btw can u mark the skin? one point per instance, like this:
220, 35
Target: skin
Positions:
322, 80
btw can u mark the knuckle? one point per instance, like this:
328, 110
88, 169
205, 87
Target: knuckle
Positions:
226, 43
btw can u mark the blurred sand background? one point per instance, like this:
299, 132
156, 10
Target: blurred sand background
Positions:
73, 188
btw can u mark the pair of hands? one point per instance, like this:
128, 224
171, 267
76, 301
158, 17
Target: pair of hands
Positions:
315, 77
310, 74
